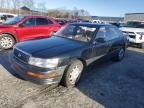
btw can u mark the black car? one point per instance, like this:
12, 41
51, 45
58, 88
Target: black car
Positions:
63, 57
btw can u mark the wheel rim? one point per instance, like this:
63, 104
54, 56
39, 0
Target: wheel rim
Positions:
121, 54
75, 74
6, 42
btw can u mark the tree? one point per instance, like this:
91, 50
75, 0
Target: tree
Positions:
83, 12
75, 12
28, 3
42, 6
14, 3
2, 3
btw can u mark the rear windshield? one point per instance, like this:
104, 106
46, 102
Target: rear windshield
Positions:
13, 20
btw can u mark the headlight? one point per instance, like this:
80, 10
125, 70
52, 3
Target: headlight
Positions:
44, 63
141, 35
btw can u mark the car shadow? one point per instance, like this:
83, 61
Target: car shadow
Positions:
115, 85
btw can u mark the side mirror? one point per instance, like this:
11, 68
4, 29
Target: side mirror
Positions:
21, 25
61, 23
99, 40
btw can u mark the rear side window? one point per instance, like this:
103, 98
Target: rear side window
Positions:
141, 25
10, 16
108, 33
112, 33
29, 22
43, 21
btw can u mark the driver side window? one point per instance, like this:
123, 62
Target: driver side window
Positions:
29, 22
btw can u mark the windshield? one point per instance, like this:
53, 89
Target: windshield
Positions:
134, 24
13, 20
77, 32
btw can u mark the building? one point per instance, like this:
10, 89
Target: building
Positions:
108, 19
134, 17
34, 11
25, 8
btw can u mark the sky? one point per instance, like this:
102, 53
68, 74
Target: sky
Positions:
115, 8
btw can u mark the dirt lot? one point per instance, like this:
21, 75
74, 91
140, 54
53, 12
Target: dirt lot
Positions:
103, 85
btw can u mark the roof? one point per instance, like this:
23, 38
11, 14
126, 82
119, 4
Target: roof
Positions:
1, 13
91, 24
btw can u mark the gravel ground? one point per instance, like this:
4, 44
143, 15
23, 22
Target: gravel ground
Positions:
103, 85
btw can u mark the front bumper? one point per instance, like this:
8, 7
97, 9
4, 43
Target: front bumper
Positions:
137, 39
21, 70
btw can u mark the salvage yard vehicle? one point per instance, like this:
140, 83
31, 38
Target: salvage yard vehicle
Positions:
22, 28
96, 21
63, 57
61, 21
135, 31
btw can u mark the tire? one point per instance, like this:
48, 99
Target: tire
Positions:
119, 55
6, 41
70, 77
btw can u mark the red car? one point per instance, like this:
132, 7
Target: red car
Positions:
22, 28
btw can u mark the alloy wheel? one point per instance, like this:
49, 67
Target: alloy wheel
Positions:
6, 42
75, 74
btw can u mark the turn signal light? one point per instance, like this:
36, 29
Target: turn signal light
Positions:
39, 75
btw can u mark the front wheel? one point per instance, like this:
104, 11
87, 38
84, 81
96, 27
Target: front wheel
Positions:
6, 41
119, 55
72, 73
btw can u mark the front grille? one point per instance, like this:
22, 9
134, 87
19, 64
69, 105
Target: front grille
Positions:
132, 36
22, 56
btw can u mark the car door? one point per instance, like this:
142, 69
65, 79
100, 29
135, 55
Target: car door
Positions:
115, 39
100, 44
26, 29
99, 47
43, 27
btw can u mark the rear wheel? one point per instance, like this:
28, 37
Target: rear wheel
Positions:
6, 41
72, 73
120, 54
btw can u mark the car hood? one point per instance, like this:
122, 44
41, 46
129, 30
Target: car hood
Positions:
129, 29
49, 47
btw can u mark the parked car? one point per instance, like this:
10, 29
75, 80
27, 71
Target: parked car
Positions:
115, 24
63, 57
96, 21
79, 21
135, 31
22, 28
61, 21
6, 16
84, 21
